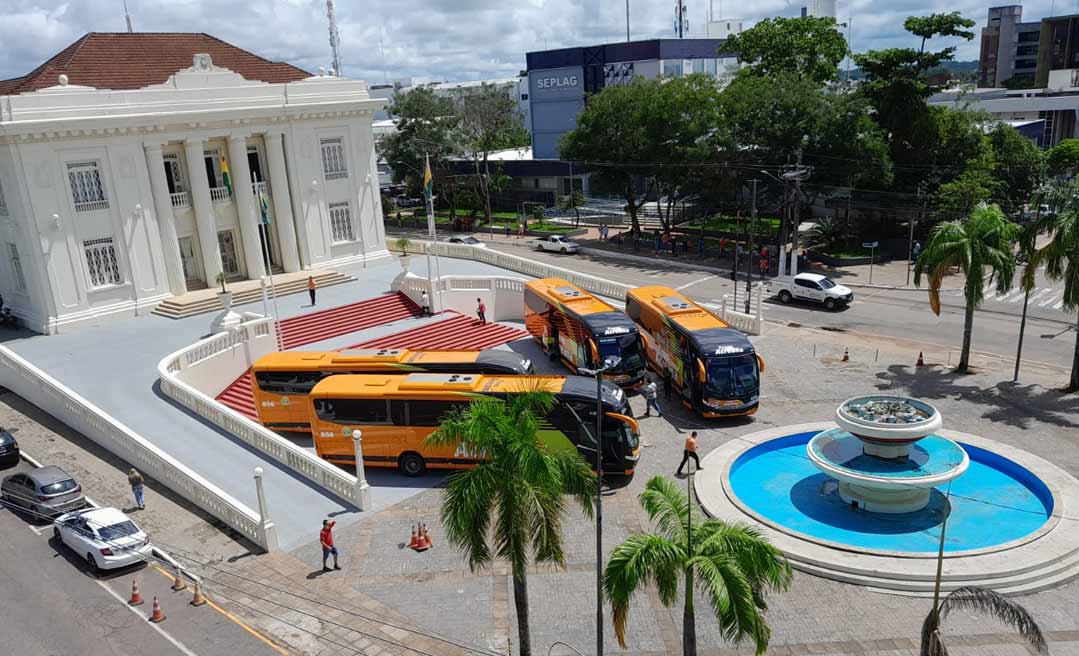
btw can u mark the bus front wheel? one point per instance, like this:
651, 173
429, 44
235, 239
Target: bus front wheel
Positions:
411, 464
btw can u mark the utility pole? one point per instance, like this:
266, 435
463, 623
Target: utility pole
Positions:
335, 38
680, 18
627, 20
752, 245
127, 18
792, 185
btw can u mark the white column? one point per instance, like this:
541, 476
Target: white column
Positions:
267, 528
204, 209
363, 490
166, 221
282, 202
245, 206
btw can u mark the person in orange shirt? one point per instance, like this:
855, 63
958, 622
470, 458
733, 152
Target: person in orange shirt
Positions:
311, 288
690, 451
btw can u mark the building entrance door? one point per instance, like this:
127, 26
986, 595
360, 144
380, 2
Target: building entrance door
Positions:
229, 263
189, 257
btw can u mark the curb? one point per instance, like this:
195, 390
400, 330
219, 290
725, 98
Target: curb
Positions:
30, 459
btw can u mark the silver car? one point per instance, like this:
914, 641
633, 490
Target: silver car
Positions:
45, 492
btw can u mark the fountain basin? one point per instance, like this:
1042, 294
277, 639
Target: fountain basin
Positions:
886, 485
887, 424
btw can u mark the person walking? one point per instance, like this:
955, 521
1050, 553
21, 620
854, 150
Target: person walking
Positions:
425, 304
311, 288
649, 393
520, 229
668, 383
507, 226
481, 310
916, 251
326, 538
135, 480
690, 451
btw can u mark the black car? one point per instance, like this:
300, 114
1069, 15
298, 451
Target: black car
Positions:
9, 449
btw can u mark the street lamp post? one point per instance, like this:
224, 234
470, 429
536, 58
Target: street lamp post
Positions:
609, 363
752, 246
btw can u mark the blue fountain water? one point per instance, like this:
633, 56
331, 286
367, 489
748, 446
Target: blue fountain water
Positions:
996, 501
931, 455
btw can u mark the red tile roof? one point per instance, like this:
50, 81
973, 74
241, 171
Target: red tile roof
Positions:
122, 60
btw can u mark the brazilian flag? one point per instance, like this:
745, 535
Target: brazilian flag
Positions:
225, 177
428, 181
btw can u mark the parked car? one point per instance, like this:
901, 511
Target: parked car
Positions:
105, 537
467, 241
556, 243
9, 449
45, 492
811, 287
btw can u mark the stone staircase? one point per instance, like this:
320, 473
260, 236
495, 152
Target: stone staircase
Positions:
248, 291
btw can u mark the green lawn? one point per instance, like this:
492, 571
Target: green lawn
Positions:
556, 228
851, 252
727, 223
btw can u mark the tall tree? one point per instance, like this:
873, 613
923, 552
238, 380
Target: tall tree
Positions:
1063, 158
425, 125
511, 506
487, 121
979, 245
613, 140
985, 602
732, 565
1061, 255
1018, 165
809, 47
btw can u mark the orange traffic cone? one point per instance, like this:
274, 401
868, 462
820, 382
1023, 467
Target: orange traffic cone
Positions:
846, 355
136, 598
198, 599
177, 580
156, 615
921, 361
414, 541
427, 536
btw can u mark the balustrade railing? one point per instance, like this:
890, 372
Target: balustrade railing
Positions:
180, 199
220, 194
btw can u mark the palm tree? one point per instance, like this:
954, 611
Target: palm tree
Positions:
731, 564
978, 244
980, 600
1061, 255
511, 505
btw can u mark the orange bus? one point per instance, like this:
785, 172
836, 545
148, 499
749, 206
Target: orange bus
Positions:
397, 413
582, 331
713, 366
280, 380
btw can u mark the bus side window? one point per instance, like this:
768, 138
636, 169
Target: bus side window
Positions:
399, 413
362, 411
633, 308
324, 408
430, 413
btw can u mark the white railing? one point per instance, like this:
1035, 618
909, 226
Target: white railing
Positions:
503, 296
263, 186
220, 194
195, 374
53, 397
92, 205
751, 324
180, 199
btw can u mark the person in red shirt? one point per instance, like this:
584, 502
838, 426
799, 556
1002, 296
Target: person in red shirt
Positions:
481, 310
326, 538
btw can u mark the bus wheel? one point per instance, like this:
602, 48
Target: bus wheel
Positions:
411, 464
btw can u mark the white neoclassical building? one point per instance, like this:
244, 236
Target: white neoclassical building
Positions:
135, 167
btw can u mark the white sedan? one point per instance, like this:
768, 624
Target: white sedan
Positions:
556, 243
105, 537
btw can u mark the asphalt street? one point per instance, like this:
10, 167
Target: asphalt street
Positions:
54, 607
881, 313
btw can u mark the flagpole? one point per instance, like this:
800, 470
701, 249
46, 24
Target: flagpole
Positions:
264, 235
432, 232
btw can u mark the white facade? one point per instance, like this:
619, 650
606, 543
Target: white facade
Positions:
111, 201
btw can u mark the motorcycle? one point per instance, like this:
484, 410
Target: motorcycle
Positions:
1021, 257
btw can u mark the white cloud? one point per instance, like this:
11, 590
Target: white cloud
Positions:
439, 39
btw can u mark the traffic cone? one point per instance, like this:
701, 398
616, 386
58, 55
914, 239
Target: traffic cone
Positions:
136, 598
177, 581
921, 361
413, 542
846, 355
421, 542
198, 599
427, 536
156, 615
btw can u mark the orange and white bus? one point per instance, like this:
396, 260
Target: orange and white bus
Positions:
397, 413
281, 380
583, 331
714, 366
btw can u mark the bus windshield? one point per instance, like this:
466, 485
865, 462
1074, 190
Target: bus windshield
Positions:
627, 347
733, 376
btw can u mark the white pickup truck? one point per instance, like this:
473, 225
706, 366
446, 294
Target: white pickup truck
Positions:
811, 287
555, 243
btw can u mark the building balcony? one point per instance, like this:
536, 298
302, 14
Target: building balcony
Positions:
180, 199
91, 205
220, 195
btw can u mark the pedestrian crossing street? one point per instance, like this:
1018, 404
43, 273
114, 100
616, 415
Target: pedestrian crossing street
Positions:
1050, 298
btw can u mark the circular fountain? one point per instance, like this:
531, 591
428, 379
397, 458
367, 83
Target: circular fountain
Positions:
884, 453
863, 499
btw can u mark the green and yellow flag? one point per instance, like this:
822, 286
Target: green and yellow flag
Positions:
428, 181
225, 178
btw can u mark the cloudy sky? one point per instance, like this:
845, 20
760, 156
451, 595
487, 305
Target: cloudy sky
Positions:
438, 39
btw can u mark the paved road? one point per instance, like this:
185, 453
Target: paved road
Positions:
1050, 333
50, 605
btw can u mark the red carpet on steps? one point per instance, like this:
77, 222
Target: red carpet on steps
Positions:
316, 326
457, 333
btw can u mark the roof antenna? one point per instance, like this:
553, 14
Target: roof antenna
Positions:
335, 38
127, 17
